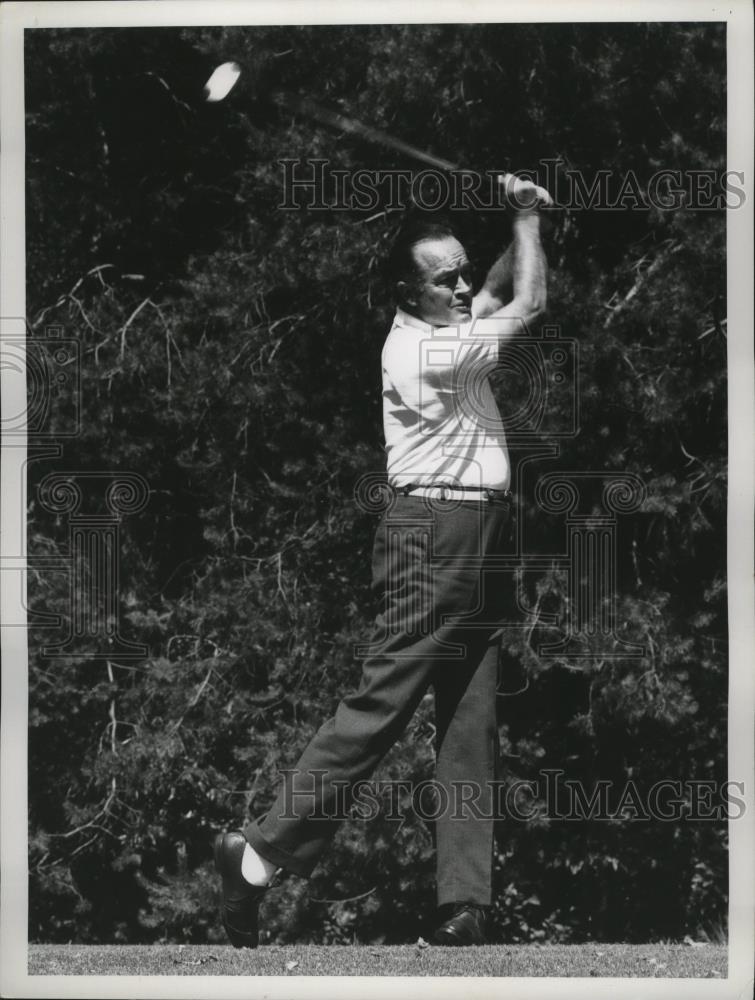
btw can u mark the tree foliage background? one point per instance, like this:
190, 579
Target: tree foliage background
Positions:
230, 355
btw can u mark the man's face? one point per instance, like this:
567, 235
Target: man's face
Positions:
441, 294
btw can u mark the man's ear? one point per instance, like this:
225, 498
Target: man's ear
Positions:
405, 293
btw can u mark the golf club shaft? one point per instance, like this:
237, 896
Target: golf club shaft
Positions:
310, 109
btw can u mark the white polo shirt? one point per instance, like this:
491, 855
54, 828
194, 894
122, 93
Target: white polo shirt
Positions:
441, 421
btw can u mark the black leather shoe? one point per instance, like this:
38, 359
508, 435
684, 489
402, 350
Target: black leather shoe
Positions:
241, 900
466, 925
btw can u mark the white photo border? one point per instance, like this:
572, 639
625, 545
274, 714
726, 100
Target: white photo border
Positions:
14, 17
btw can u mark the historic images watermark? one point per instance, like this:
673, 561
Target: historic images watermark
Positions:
94, 626
316, 185
545, 365
549, 796
52, 364
92, 504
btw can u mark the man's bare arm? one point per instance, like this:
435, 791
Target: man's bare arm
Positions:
529, 279
498, 288
509, 277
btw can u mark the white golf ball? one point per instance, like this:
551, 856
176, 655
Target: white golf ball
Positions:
221, 82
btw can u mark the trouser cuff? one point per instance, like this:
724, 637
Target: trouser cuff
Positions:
275, 855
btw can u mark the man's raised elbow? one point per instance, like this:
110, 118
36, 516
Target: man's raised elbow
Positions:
531, 306
538, 304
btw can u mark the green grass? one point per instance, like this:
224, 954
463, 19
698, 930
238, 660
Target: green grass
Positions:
597, 960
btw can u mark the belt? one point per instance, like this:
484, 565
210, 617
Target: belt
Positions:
439, 491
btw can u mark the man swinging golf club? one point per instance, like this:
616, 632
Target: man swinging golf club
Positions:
448, 467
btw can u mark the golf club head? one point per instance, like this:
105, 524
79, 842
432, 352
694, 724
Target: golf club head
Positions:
245, 87
221, 82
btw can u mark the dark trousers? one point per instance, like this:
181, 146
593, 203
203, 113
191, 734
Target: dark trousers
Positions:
436, 627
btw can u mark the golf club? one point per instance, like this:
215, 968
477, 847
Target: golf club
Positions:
225, 77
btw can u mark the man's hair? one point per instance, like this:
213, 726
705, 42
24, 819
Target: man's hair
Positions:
401, 264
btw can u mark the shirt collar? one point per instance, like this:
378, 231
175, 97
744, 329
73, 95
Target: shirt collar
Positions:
406, 319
